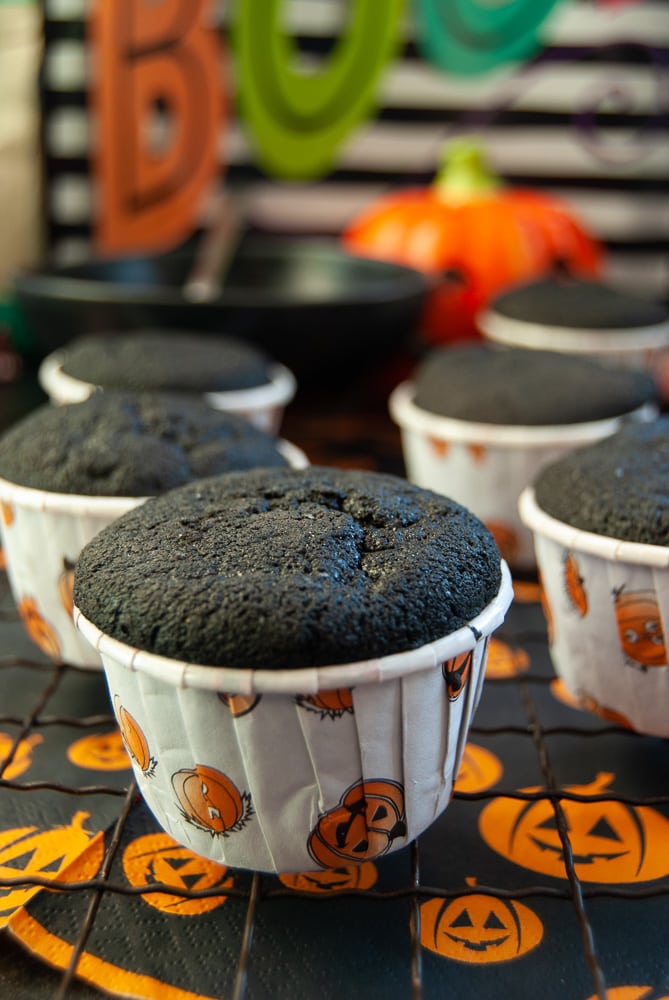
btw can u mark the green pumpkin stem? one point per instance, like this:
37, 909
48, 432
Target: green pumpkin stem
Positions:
464, 175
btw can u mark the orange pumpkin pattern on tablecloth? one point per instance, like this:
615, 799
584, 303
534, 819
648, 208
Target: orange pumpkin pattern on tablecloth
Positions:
574, 585
134, 739
456, 673
346, 876
479, 770
328, 704
505, 661
640, 627
22, 756
611, 842
66, 586
31, 852
368, 818
479, 928
210, 800
100, 752
158, 859
240, 704
42, 633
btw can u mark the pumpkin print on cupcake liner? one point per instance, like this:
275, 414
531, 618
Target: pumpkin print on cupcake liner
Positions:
561, 693
640, 629
456, 673
506, 538
42, 633
328, 704
362, 826
240, 704
66, 586
611, 842
479, 928
209, 800
134, 739
574, 585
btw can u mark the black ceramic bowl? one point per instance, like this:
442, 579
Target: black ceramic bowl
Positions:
322, 312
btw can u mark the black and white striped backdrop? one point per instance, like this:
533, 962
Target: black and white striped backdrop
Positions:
587, 119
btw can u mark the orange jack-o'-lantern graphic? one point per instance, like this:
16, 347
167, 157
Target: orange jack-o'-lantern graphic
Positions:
210, 800
477, 451
134, 739
7, 513
640, 627
328, 704
100, 752
240, 704
31, 852
369, 817
66, 586
40, 631
505, 661
573, 582
634, 993
479, 769
561, 692
157, 859
3, 559
610, 841
456, 673
439, 447
21, 758
479, 928
345, 876
506, 539
548, 613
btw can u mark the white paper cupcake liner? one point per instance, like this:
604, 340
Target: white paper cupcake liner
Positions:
486, 466
607, 608
636, 348
262, 405
42, 536
296, 770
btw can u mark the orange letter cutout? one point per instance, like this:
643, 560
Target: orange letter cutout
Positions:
157, 92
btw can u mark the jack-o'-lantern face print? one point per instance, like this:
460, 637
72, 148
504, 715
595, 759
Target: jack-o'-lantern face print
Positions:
21, 758
40, 631
561, 692
439, 447
210, 800
479, 929
548, 613
157, 859
66, 586
611, 842
328, 704
240, 704
477, 452
47, 854
479, 769
505, 661
134, 740
456, 673
640, 627
574, 585
345, 876
363, 826
7, 513
506, 539
100, 752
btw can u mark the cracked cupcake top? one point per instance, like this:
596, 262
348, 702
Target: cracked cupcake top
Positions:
122, 444
284, 568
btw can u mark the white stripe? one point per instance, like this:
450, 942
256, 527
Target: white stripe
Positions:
68, 132
71, 199
67, 10
65, 66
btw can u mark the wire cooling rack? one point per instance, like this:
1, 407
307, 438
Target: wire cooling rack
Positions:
254, 936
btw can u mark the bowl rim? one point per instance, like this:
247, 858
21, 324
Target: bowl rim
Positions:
411, 417
303, 680
577, 540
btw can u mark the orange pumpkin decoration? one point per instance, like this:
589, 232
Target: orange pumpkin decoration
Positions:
640, 627
611, 842
548, 613
456, 673
240, 704
21, 758
478, 928
345, 876
66, 586
633, 993
506, 539
573, 582
40, 631
134, 739
47, 854
479, 769
156, 858
368, 818
329, 704
469, 227
505, 661
100, 752
7, 513
210, 800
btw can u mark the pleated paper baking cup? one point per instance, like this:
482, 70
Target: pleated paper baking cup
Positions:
262, 405
607, 609
42, 536
298, 770
486, 466
638, 348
